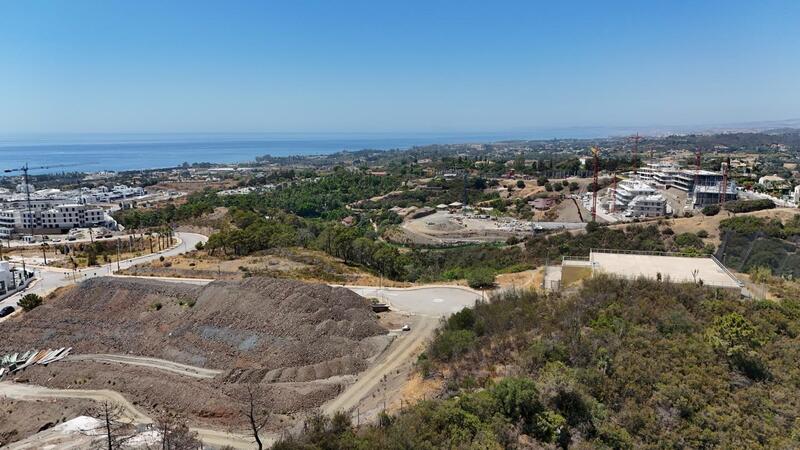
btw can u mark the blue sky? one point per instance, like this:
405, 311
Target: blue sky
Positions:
400, 66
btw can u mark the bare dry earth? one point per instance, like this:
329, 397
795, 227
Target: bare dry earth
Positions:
20, 419
300, 343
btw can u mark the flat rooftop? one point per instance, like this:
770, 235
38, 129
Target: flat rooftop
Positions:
676, 268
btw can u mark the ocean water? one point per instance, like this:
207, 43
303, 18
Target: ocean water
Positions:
118, 152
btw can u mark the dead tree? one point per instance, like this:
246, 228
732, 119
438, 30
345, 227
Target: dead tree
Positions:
111, 425
175, 434
255, 409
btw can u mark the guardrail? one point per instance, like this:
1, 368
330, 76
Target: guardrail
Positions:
727, 272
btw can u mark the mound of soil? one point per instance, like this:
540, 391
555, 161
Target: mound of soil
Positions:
256, 323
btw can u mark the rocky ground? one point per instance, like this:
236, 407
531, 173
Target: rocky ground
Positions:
298, 343
20, 419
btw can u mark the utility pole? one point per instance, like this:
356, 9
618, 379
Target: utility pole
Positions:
118, 244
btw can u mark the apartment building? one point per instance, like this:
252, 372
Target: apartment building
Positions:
60, 217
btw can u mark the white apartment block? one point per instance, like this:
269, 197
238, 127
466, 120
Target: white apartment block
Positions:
61, 217
648, 206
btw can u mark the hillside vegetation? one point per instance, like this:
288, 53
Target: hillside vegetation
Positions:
620, 364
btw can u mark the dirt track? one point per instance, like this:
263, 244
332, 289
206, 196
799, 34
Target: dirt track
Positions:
399, 353
129, 411
154, 363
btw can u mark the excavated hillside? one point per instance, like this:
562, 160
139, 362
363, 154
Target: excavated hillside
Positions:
272, 325
297, 344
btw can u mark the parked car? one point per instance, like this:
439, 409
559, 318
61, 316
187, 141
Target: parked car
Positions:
6, 311
406, 327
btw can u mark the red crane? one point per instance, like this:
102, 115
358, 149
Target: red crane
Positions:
723, 193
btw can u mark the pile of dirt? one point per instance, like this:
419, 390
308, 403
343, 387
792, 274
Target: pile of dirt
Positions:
256, 323
298, 344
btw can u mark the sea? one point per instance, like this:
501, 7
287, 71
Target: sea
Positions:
55, 153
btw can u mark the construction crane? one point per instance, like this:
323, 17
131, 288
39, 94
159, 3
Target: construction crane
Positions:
723, 192
24, 169
595, 153
697, 163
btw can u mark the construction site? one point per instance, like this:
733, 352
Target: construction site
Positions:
190, 348
657, 189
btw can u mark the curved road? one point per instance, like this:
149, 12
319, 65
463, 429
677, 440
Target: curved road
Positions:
51, 278
129, 411
429, 303
153, 363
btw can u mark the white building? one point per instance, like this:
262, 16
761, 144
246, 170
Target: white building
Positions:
6, 277
61, 217
797, 194
627, 190
648, 206
771, 181
669, 175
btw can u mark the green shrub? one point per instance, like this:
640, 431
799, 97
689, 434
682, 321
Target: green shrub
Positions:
711, 210
689, 240
30, 301
742, 206
481, 278
451, 343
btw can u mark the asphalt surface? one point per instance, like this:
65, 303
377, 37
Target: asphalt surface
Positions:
431, 301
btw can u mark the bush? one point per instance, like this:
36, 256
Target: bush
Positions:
30, 301
480, 279
574, 186
702, 234
199, 245
451, 344
711, 210
520, 184
742, 206
548, 187
688, 240
541, 181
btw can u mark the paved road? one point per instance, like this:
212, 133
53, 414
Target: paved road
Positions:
431, 301
153, 363
51, 278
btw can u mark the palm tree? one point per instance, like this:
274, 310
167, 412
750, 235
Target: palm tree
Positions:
45, 246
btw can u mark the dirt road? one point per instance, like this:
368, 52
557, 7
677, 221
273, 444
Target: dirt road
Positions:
154, 363
398, 353
129, 411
